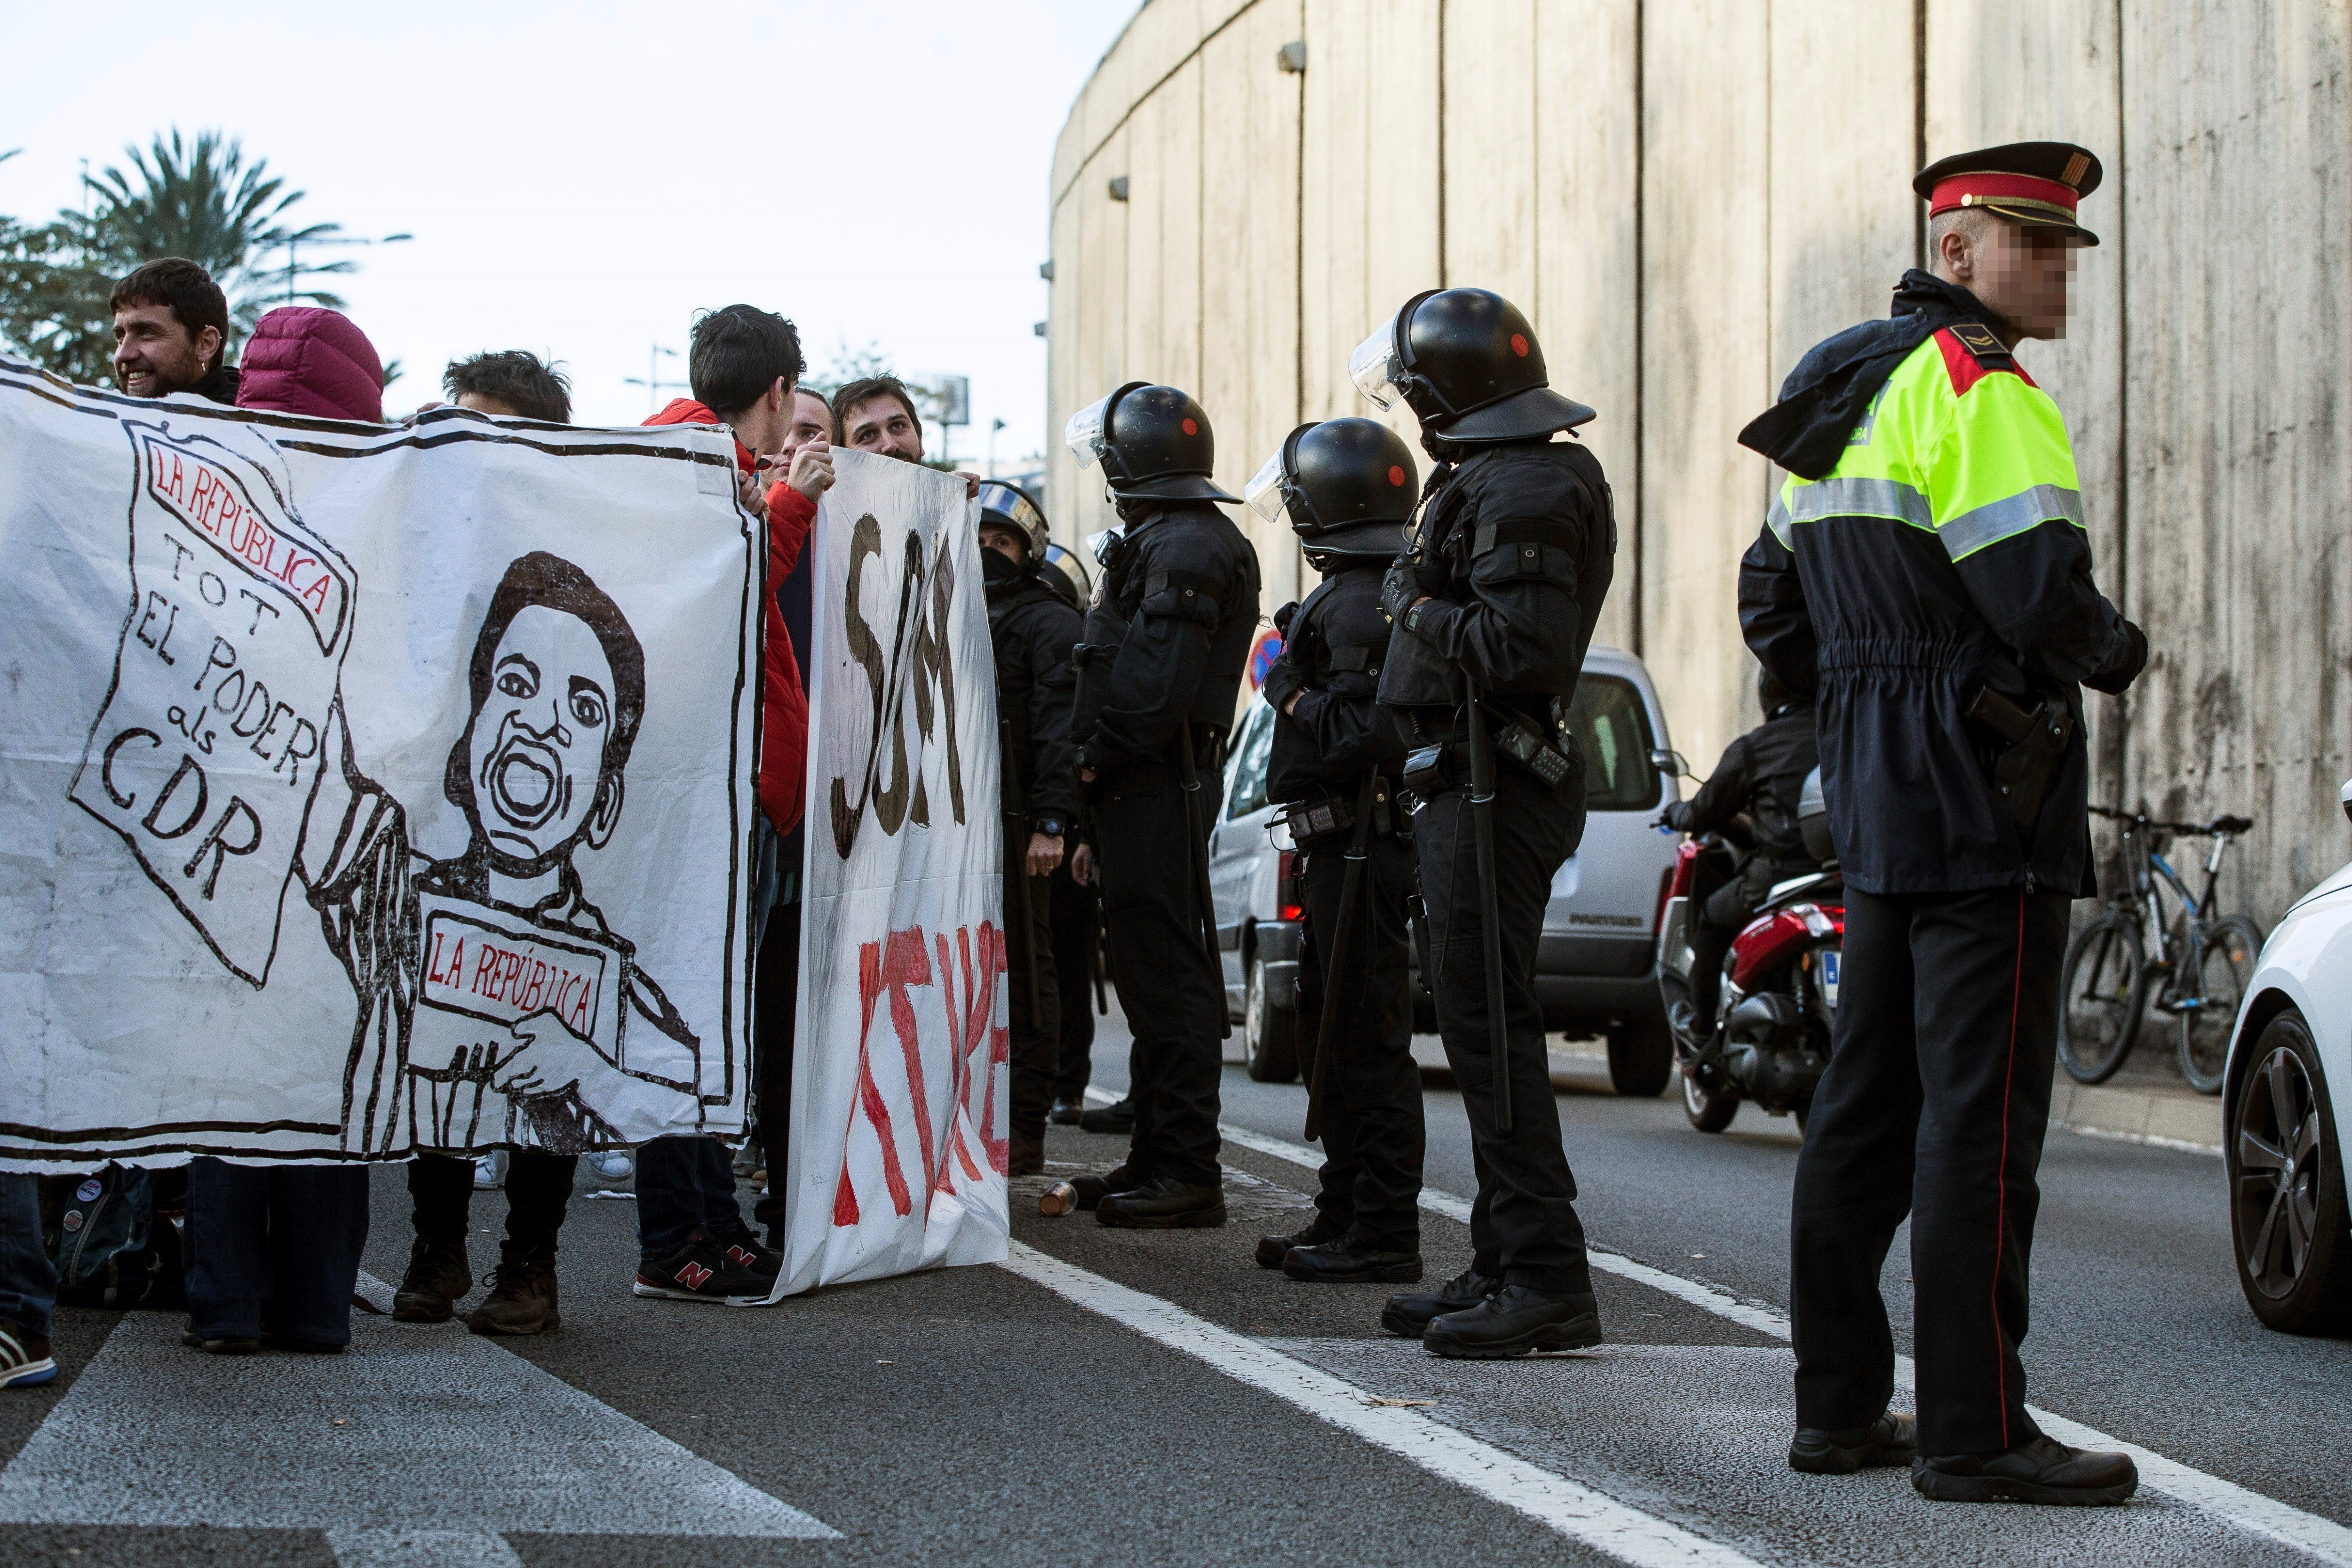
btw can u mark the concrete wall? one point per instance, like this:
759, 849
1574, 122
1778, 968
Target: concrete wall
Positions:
1684, 195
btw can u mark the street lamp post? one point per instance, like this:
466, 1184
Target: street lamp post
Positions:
993, 427
292, 241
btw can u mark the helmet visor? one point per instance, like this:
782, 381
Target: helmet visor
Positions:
1375, 369
1264, 493
1004, 502
1085, 431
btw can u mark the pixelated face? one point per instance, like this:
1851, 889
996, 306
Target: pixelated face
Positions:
882, 425
535, 752
2025, 276
154, 354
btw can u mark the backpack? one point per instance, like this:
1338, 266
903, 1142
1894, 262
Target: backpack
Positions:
114, 1237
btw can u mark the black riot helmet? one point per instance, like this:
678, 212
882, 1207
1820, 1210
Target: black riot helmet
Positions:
1347, 487
1152, 441
1065, 571
1467, 363
1011, 507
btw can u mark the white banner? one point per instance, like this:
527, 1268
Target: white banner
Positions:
365, 788
899, 1084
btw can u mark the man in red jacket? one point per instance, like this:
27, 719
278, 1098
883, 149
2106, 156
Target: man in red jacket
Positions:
743, 367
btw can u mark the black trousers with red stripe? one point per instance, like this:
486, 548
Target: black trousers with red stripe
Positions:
1935, 1104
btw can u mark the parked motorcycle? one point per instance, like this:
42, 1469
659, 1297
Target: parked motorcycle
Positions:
1771, 1038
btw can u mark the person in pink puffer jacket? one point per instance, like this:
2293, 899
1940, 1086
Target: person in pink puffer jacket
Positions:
304, 359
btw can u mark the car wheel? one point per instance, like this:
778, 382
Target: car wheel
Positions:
2287, 1187
1641, 1057
1709, 1113
1269, 1032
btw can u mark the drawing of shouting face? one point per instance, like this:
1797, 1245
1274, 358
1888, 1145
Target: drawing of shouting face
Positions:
558, 691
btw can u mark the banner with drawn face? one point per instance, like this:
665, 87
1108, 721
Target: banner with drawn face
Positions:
900, 1111
367, 789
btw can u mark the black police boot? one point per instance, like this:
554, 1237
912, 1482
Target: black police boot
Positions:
522, 1296
1119, 1117
437, 1275
1515, 1320
1164, 1204
1408, 1315
1892, 1439
1068, 1112
1353, 1260
1314, 1233
1092, 1190
2036, 1470
1026, 1156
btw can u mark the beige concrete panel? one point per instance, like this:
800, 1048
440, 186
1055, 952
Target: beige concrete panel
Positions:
1099, 358
1842, 142
2239, 299
1706, 368
1403, 154
1150, 171
1178, 354
1490, 65
2020, 70
1335, 143
1062, 366
1588, 290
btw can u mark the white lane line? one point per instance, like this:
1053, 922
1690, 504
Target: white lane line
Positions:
1576, 1512
2322, 1538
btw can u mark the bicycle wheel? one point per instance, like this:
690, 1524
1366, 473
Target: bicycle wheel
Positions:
2225, 961
2104, 987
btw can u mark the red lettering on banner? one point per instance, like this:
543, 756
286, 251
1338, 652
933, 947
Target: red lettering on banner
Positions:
960, 1042
869, 1094
905, 964
1000, 1045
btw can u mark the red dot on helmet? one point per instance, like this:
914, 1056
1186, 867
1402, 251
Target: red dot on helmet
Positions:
1520, 345
1396, 476
1191, 428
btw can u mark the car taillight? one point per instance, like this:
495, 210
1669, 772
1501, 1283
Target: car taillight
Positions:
1286, 886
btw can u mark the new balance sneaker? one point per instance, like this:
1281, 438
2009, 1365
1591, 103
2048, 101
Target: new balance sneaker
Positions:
763, 1263
24, 1357
698, 1271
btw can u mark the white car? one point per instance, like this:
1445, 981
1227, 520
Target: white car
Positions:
1596, 970
2283, 1137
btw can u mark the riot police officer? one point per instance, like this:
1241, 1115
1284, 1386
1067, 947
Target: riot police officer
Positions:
1494, 603
1077, 910
1346, 488
1159, 674
1033, 631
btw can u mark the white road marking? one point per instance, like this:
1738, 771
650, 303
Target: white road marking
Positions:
2251, 1510
1576, 1512
448, 1441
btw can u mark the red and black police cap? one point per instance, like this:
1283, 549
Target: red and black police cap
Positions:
2039, 183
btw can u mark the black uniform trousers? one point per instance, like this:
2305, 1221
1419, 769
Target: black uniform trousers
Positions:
1172, 993
1036, 1016
1523, 1226
1934, 1105
1370, 1124
1077, 920
539, 1189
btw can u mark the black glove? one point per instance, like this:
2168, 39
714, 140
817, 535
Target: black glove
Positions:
2126, 669
1677, 816
1282, 617
1400, 588
1283, 680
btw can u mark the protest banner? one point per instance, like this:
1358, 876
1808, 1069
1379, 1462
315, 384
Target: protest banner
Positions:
899, 1110
367, 788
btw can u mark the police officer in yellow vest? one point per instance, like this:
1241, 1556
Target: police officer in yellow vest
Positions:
1924, 572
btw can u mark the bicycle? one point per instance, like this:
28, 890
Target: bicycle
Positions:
2204, 963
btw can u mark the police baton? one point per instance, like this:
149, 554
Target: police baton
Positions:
1490, 928
1196, 852
1336, 959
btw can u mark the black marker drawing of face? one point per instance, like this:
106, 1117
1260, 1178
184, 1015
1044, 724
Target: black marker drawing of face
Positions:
558, 691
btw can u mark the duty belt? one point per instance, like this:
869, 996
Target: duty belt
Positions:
1328, 814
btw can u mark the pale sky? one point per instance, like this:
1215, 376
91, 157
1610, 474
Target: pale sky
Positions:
581, 179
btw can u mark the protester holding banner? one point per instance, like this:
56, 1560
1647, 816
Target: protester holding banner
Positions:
275, 1252
1165, 645
171, 332
742, 366
1032, 631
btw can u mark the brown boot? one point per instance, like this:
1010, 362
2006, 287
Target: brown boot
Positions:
437, 1275
1028, 1155
522, 1299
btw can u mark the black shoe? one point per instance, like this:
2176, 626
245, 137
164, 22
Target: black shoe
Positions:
1069, 1112
1349, 1263
1314, 1233
1027, 1154
1164, 1204
1407, 1316
1092, 1190
1892, 1439
1515, 1320
437, 1275
1119, 1117
698, 1271
522, 1299
2036, 1470
227, 1344
743, 1250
